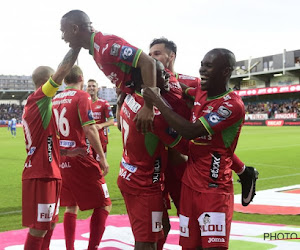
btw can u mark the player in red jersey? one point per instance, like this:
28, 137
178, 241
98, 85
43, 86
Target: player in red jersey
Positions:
206, 205
114, 56
41, 178
165, 51
143, 164
102, 114
83, 182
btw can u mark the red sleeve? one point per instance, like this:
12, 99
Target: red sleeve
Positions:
85, 109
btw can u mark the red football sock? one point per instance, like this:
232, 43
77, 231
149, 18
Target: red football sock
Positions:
69, 228
160, 243
97, 227
237, 165
46, 241
33, 243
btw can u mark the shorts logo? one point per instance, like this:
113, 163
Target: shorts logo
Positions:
212, 224
215, 165
127, 53
157, 221
114, 51
50, 146
184, 225
225, 112
210, 240
45, 212
105, 190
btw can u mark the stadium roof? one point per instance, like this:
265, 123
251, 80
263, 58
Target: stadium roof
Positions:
19, 95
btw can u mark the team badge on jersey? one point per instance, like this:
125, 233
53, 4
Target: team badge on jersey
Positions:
90, 115
114, 51
127, 53
223, 111
213, 118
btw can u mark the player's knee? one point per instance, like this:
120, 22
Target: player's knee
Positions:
72, 210
37, 232
108, 208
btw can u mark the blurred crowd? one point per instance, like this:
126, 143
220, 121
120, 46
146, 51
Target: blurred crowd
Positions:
9, 111
272, 108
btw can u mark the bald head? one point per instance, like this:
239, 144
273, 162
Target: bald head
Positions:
77, 17
227, 57
41, 75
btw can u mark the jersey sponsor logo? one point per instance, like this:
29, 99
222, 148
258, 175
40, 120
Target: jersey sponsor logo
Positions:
128, 166
31, 150
45, 212
210, 240
50, 146
97, 47
105, 48
157, 221
67, 144
213, 118
223, 111
64, 94
114, 50
127, 53
215, 165
157, 169
97, 115
132, 104
212, 224
65, 165
184, 225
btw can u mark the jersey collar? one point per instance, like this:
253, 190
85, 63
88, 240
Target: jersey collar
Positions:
91, 51
219, 96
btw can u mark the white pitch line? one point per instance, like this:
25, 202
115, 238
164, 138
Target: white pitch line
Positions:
262, 148
11, 212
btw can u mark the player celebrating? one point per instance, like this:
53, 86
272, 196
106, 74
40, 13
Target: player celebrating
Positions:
102, 114
165, 51
41, 178
113, 55
216, 121
83, 182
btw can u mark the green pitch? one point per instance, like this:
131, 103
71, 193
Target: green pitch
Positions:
274, 151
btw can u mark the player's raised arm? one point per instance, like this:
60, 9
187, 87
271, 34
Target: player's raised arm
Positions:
148, 71
66, 65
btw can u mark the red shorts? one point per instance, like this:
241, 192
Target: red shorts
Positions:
205, 218
83, 183
40, 203
145, 215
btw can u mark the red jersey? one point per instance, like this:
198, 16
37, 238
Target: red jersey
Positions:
72, 109
115, 57
102, 112
209, 164
41, 137
144, 155
189, 81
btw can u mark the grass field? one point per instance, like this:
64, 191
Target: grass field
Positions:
274, 151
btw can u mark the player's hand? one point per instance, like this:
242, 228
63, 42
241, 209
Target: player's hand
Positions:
144, 119
151, 95
104, 166
73, 152
99, 126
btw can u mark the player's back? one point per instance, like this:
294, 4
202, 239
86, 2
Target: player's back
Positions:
72, 109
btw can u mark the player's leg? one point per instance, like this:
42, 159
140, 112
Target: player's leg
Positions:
39, 211
69, 222
97, 226
145, 214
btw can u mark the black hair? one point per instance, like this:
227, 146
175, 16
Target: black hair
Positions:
168, 44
